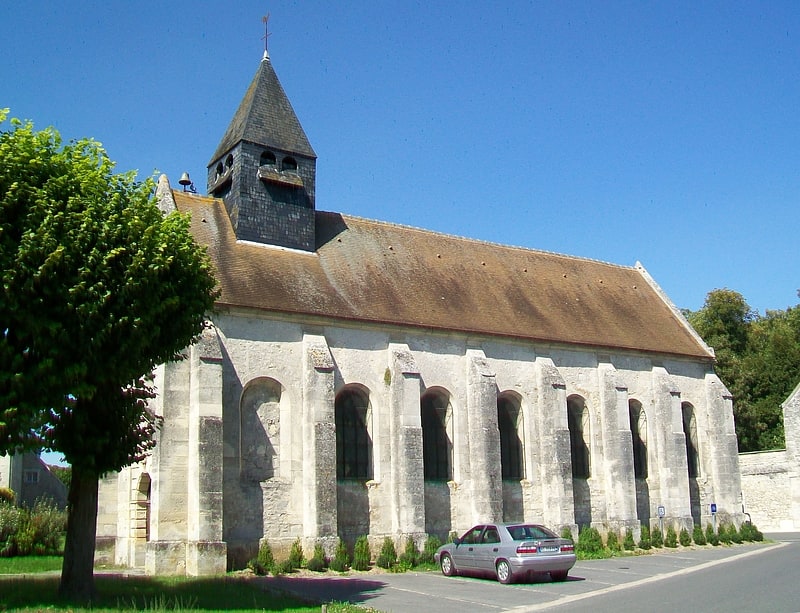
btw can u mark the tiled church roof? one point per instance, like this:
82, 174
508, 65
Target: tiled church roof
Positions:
369, 271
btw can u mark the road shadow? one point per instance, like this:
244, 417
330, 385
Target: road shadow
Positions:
325, 588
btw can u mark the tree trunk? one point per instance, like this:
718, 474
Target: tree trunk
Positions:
77, 571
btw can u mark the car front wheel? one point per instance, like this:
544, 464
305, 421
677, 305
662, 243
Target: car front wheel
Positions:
448, 570
503, 571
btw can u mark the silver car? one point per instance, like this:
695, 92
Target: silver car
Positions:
508, 551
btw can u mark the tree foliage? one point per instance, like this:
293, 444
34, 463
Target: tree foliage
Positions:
97, 287
758, 359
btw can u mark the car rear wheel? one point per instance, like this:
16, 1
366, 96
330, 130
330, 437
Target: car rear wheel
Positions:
448, 569
503, 569
558, 575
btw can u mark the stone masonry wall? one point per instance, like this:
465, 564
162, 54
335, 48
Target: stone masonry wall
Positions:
765, 489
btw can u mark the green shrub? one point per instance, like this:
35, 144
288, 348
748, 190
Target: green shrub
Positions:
257, 567
711, 536
432, 543
697, 535
566, 533
724, 533
387, 557
7, 495
749, 532
590, 543
47, 523
735, 535
341, 559
656, 538
671, 540
644, 539
628, 543
265, 557
685, 538
317, 563
283, 567
612, 541
410, 556
361, 554
296, 558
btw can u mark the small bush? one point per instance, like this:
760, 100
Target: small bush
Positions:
296, 558
387, 557
7, 495
284, 567
265, 558
590, 543
685, 538
671, 540
257, 567
410, 556
628, 543
566, 533
644, 540
697, 535
341, 559
749, 532
612, 542
361, 554
724, 533
317, 563
735, 535
711, 536
432, 543
656, 538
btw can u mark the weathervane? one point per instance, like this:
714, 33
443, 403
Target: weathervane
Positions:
265, 38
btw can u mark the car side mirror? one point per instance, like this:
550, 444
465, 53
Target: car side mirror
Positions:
456, 541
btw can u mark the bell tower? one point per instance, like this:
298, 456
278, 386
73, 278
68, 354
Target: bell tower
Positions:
264, 168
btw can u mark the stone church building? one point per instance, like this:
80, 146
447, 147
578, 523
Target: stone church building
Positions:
363, 377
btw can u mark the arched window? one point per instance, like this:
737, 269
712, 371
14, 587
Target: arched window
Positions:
220, 170
229, 162
692, 447
289, 164
267, 159
353, 441
509, 422
639, 436
578, 421
437, 446
260, 430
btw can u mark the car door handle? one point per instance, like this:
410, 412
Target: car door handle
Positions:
495, 550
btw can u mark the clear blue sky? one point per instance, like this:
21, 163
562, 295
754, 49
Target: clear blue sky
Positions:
667, 133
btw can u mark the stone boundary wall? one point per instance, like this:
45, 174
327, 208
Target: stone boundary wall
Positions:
766, 489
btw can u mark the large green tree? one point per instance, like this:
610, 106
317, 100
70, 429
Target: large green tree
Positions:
758, 359
97, 287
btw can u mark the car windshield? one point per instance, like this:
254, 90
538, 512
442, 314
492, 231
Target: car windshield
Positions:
526, 532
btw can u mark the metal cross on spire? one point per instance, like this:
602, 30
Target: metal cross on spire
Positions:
265, 38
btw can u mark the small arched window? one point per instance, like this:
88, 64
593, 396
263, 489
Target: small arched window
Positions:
353, 440
437, 446
229, 162
289, 164
267, 159
639, 438
509, 422
220, 169
692, 446
578, 421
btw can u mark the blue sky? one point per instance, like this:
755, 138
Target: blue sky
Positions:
666, 133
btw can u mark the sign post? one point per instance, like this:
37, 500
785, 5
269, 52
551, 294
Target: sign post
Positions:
661, 513
713, 509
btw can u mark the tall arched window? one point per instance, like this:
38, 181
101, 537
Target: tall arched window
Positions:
692, 447
509, 422
437, 446
639, 436
578, 421
353, 440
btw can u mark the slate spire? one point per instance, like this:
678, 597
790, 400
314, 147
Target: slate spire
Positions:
264, 168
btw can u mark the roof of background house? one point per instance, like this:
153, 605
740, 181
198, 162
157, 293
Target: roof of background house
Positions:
384, 273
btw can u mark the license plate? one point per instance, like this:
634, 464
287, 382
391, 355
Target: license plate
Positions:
548, 549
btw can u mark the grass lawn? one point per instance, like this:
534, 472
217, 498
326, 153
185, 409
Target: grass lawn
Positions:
29, 564
119, 593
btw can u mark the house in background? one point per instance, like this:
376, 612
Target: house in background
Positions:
31, 480
363, 377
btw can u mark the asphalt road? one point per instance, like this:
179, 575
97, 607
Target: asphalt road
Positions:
750, 577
